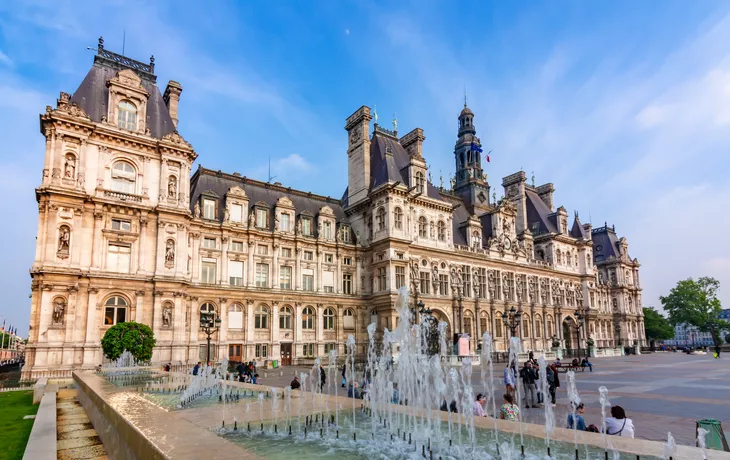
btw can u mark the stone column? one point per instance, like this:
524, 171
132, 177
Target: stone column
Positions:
82, 307
139, 306
223, 332
275, 350
251, 266
92, 329
141, 243
156, 320
178, 331
298, 329
533, 335
223, 278
319, 325
250, 331
297, 281
318, 286
70, 319
275, 270
162, 192
97, 240
194, 324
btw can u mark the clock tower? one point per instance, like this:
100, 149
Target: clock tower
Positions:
470, 181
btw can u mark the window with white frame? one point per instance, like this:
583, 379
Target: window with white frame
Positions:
235, 316
308, 318
329, 258
261, 317
123, 225
118, 257
261, 215
348, 319
286, 252
442, 231
208, 209
329, 319
420, 182
285, 315
443, 284
306, 226
236, 213
347, 261
308, 350
327, 230
329, 347
207, 271
262, 275
124, 177
425, 283
235, 273
115, 311
208, 243
285, 222
262, 350
308, 255
262, 250
400, 277
380, 218
347, 283
307, 280
285, 277
422, 227
382, 277
328, 281
127, 116
345, 233
398, 218
236, 246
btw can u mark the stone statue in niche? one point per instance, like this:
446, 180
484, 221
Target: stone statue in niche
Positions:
197, 210
170, 254
299, 227
69, 168
226, 215
59, 307
167, 316
64, 239
81, 182
172, 187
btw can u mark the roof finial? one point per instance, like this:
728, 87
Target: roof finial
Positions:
375, 113
101, 43
533, 178
395, 123
464, 96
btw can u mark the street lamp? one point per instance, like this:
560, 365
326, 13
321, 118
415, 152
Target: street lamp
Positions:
210, 323
580, 321
511, 319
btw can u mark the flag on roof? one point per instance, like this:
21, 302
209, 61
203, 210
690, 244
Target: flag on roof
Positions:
475, 147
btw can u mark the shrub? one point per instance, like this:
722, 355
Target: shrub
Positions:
136, 338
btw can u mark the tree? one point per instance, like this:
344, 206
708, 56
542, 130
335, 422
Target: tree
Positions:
657, 326
136, 338
696, 303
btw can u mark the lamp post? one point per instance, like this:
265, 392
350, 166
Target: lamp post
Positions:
511, 319
581, 320
210, 323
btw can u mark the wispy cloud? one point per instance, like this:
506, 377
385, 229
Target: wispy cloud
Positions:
5, 60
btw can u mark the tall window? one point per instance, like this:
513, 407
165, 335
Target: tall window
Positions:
285, 318
262, 350
345, 233
420, 182
327, 230
118, 256
207, 272
262, 275
425, 283
306, 226
380, 218
400, 277
475, 240
382, 279
443, 284
261, 217
442, 230
261, 317
329, 319
398, 218
262, 250
127, 116
124, 177
286, 252
526, 326
115, 311
466, 276
208, 243
348, 319
123, 225
285, 277
235, 273
308, 282
308, 255
235, 317
329, 347
422, 227
236, 213
308, 350
208, 209
308, 318
236, 246
284, 222
347, 283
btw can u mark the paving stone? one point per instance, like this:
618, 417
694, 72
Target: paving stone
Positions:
77, 434
78, 442
81, 453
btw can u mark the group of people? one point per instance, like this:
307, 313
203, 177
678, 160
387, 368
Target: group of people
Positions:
296, 384
247, 372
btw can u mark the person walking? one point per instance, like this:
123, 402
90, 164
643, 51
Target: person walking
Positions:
718, 349
509, 380
618, 424
509, 410
344, 375
322, 378
553, 381
527, 374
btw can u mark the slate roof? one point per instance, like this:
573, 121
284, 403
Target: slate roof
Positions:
92, 95
605, 243
578, 231
538, 211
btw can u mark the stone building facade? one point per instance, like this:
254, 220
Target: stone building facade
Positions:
127, 233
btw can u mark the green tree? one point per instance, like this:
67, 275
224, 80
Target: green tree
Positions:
657, 326
696, 303
136, 338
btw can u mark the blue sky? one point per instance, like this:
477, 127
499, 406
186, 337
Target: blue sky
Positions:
624, 106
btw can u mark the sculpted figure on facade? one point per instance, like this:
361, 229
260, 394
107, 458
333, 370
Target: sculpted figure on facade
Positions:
505, 286
64, 239
544, 287
197, 210
167, 316
172, 187
519, 284
69, 168
492, 283
252, 219
170, 253
435, 277
59, 307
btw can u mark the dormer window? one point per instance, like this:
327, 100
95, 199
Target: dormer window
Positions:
380, 218
306, 226
208, 209
236, 213
441, 230
345, 234
127, 116
420, 182
284, 222
261, 215
422, 227
327, 230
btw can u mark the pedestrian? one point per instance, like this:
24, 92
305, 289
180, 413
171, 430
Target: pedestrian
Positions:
396, 394
527, 374
196, 368
167, 367
618, 424
509, 380
295, 385
538, 385
241, 372
353, 391
344, 375
509, 410
322, 378
255, 379
553, 382
580, 424
586, 363
479, 406
718, 349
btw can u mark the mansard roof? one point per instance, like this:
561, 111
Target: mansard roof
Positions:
93, 94
539, 212
578, 231
605, 243
219, 182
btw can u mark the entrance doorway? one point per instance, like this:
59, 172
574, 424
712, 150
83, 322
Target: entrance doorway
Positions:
285, 354
235, 353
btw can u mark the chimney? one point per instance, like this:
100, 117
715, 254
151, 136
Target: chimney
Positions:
545, 192
172, 99
413, 143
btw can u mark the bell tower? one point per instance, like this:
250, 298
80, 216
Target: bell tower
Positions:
470, 181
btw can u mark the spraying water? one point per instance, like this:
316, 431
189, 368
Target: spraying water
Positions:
549, 416
701, 441
670, 448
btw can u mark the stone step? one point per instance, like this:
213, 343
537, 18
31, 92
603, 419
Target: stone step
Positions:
75, 435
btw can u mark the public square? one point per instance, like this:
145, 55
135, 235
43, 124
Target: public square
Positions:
662, 392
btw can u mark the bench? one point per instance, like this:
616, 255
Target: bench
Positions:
570, 367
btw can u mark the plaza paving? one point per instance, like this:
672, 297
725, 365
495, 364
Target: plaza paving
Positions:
661, 392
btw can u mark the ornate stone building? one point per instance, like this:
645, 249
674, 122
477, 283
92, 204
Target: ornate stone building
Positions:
126, 233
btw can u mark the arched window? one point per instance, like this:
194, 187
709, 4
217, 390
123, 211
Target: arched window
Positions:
538, 326
124, 177
261, 317
442, 230
308, 318
558, 257
540, 254
420, 182
380, 218
115, 310
329, 319
526, 326
398, 218
235, 316
127, 116
422, 227
285, 318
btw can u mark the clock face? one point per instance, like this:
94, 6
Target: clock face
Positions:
507, 243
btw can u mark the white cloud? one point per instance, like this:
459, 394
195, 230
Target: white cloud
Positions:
4, 59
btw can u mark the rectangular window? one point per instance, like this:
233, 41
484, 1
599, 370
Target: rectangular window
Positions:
209, 243
347, 283
483, 325
203, 353
207, 272
118, 257
443, 284
328, 281
400, 277
236, 213
235, 273
425, 282
285, 252
466, 275
123, 225
307, 226
261, 218
347, 261
262, 250
308, 255
329, 347
262, 350
345, 234
482, 283
262, 275
237, 246
308, 350
327, 230
235, 318
208, 209
329, 258
382, 277
284, 222
114, 315
308, 282
285, 277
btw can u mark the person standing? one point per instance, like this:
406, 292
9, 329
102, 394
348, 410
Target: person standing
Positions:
527, 374
344, 375
322, 378
509, 380
196, 368
553, 381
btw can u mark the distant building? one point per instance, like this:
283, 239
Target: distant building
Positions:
688, 335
